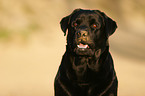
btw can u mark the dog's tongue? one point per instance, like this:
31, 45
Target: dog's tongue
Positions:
82, 46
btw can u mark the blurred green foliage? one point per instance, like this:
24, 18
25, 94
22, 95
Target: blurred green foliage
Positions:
27, 16
7, 34
4, 33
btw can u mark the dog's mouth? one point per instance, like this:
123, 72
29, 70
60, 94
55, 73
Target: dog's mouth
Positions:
83, 50
82, 46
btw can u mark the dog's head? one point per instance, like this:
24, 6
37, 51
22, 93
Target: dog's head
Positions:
88, 31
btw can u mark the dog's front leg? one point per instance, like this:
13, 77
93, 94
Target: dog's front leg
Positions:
61, 89
65, 88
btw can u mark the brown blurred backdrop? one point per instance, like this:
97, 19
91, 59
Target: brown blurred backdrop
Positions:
32, 44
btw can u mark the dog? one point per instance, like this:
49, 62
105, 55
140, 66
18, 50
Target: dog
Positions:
87, 66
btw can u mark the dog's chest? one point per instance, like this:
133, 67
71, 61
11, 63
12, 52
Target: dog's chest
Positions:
82, 67
80, 64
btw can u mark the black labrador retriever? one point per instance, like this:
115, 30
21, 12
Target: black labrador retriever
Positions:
87, 66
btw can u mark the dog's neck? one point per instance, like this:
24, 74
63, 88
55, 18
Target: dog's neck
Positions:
80, 66
84, 66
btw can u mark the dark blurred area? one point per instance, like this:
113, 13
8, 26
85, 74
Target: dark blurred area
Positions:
32, 44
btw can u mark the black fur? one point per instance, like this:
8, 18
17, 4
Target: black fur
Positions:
87, 71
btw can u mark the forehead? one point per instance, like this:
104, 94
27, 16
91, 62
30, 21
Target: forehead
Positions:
86, 15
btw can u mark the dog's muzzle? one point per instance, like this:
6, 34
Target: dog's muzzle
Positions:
81, 39
82, 36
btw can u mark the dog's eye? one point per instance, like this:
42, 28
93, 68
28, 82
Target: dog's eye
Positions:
95, 25
75, 24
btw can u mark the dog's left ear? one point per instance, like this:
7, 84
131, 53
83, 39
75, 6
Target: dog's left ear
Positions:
110, 25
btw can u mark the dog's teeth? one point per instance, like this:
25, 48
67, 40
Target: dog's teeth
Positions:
84, 46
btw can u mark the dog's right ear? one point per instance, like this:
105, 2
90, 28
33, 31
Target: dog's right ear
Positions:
66, 20
64, 24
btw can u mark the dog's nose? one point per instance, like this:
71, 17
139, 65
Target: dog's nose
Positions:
82, 33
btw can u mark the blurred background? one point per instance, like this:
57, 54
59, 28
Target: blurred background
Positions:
32, 44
